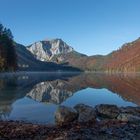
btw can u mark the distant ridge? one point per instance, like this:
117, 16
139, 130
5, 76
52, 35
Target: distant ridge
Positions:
57, 55
126, 59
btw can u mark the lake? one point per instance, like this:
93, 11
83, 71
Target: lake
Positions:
34, 97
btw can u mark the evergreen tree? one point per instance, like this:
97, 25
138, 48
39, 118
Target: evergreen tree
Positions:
8, 60
9, 34
1, 29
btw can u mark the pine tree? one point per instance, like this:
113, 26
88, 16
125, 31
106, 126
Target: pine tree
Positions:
8, 59
1, 29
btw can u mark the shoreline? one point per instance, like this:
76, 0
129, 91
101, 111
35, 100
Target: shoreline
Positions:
108, 129
65, 72
103, 125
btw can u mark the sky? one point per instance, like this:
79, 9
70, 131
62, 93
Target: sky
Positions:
90, 26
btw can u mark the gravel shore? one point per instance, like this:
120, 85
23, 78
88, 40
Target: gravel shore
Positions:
79, 123
114, 130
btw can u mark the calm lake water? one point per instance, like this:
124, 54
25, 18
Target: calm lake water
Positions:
34, 97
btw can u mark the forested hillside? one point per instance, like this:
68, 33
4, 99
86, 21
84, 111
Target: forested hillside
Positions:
126, 59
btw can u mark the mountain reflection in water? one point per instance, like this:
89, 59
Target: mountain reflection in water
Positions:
34, 97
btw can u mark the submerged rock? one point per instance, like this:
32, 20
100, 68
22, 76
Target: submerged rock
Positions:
65, 115
107, 111
85, 113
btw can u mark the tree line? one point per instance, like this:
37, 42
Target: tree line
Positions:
8, 58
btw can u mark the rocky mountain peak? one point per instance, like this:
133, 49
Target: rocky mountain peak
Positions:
45, 50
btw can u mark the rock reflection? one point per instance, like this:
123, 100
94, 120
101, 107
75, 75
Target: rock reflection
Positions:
56, 88
57, 91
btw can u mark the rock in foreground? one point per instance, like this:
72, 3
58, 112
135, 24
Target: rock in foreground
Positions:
65, 115
107, 111
80, 123
86, 113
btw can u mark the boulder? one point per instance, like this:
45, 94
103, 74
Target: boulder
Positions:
65, 115
128, 118
85, 113
107, 111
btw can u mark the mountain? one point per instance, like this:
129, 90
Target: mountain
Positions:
14, 56
46, 50
125, 59
28, 62
56, 55
58, 51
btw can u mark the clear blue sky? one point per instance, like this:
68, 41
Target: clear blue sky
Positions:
90, 26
